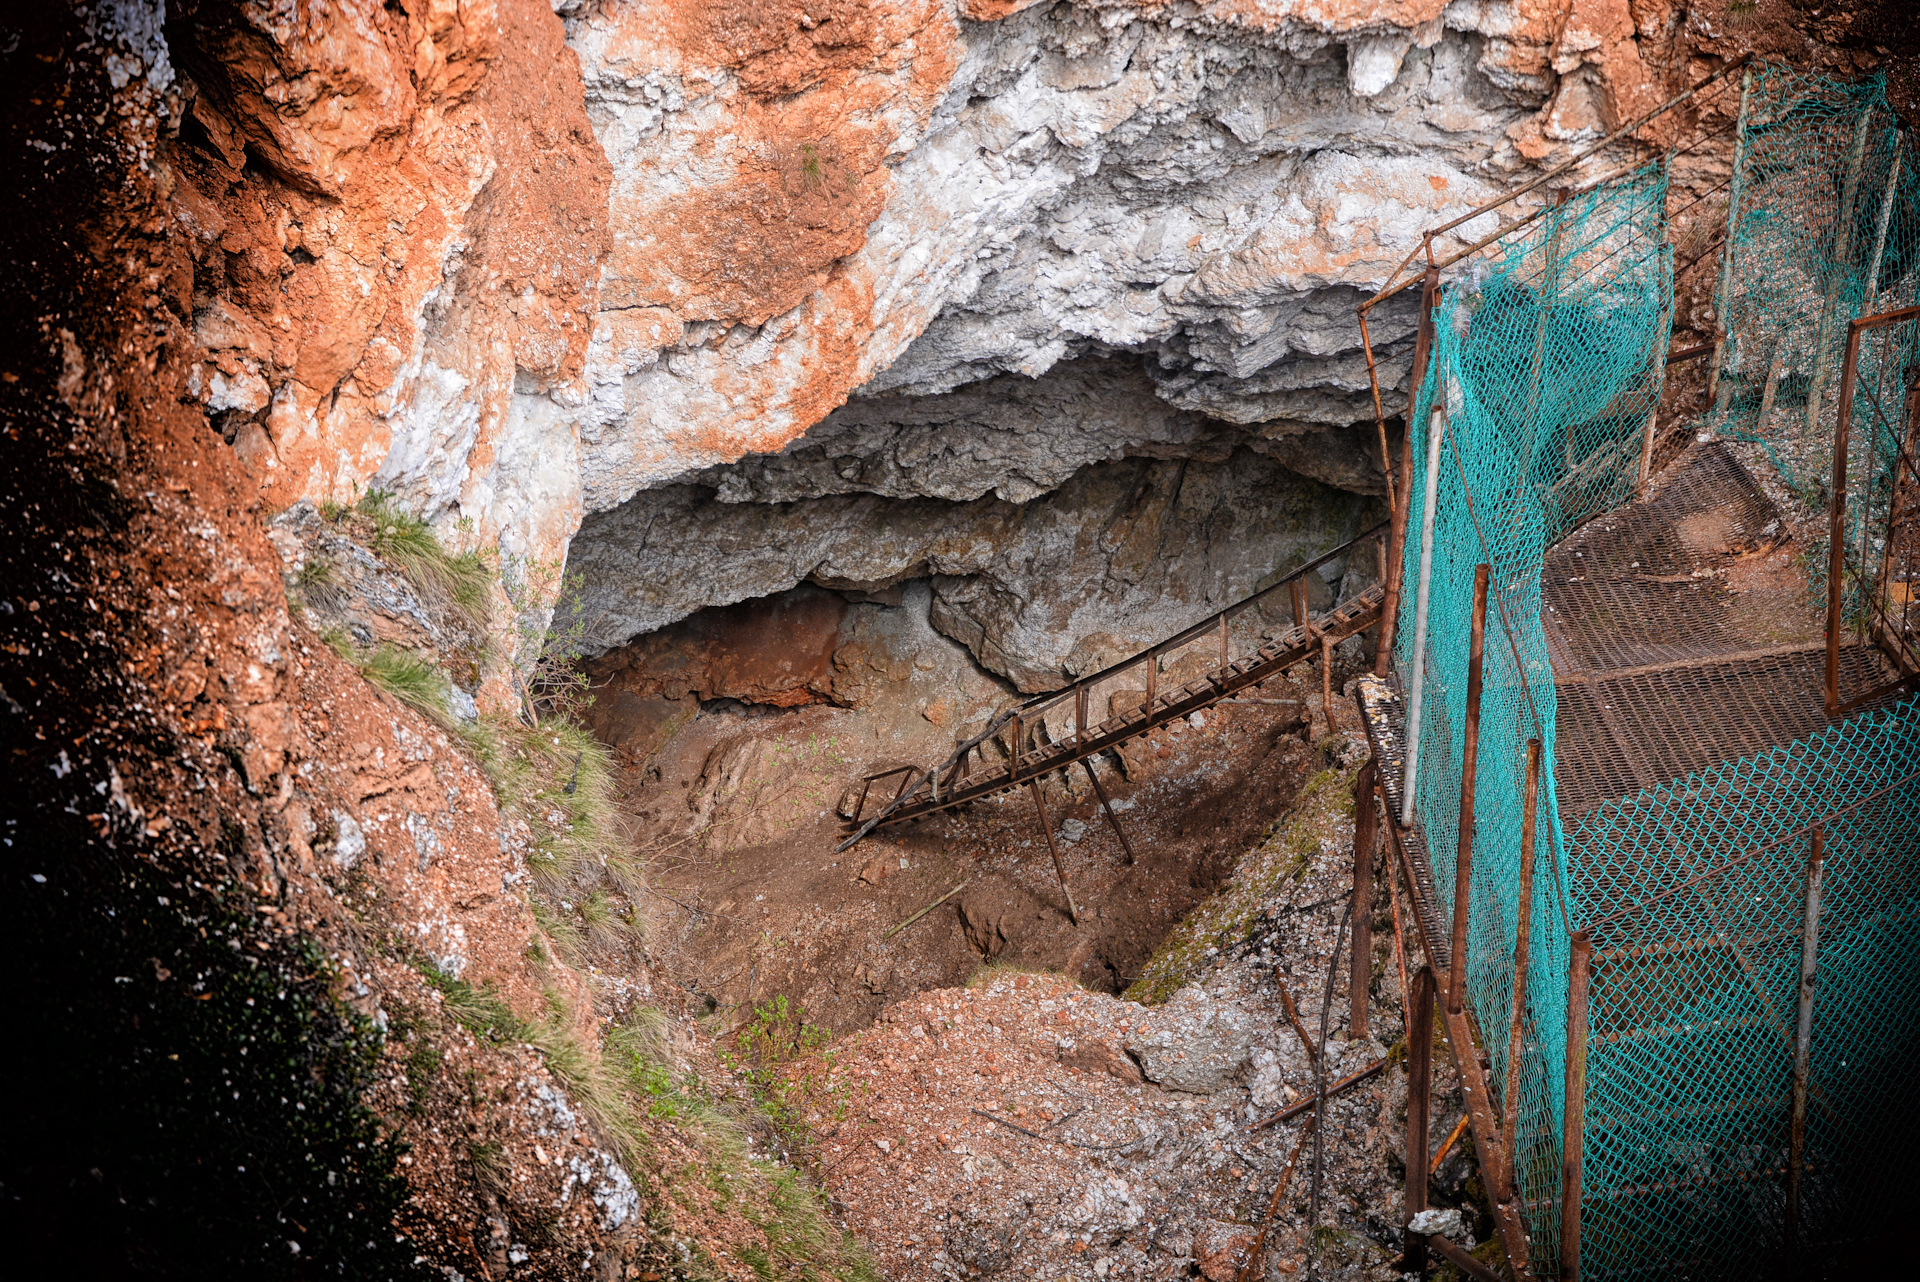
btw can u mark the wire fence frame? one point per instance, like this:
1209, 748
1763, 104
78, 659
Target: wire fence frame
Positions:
1538, 1141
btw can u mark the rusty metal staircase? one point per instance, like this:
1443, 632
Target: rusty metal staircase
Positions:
1050, 733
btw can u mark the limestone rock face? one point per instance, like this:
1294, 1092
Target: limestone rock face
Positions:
399, 220
521, 261
1121, 554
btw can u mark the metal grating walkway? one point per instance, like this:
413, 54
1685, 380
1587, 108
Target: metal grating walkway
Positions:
1682, 635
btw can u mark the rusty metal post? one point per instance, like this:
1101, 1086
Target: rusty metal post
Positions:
1080, 717
1013, 759
1723, 288
1573, 1134
1379, 415
1225, 652
1366, 831
1803, 1040
1397, 539
1419, 1099
1153, 670
1522, 942
1073, 911
1326, 679
1837, 513
1107, 807
1297, 594
1469, 778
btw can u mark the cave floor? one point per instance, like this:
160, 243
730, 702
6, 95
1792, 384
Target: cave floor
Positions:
738, 923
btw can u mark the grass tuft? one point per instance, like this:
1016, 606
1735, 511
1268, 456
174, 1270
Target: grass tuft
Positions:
409, 678
463, 580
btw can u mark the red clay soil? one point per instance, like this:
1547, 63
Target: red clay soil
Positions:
790, 917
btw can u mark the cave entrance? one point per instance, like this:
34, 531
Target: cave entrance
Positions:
740, 732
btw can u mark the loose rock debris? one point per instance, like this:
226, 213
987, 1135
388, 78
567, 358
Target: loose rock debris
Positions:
1025, 1127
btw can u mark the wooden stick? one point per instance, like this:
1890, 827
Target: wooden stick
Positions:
924, 911
1523, 941
1803, 1042
1397, 540
1469, 774
1723, 289
1107, 807
1574, 1114
1446, 1145
1252, 1268
1419, 1093
1293, 1014
1399, 940
1073, 911
1326, 681
1300, 1106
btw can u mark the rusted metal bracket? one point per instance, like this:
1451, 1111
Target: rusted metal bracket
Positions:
1073, 910
1106, 808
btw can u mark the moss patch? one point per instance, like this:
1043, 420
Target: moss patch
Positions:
1319, 824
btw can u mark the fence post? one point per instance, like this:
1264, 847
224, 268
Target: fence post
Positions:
1837, 513
1397, 539
1723, 289
1574, 1127
1803, 1040
1880, 227
1436, 431
1523, 940
1843, 251
1419, 1098
1469, 777
1663, 343
1366, 831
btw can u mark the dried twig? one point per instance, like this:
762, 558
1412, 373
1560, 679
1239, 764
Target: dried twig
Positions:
1320, 1093
1446, 1145
1293, 1015
1057, 1139
1012, 1126
1346, 1083
1251, 1269
924, 911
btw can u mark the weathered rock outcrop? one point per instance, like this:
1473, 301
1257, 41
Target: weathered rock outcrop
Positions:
1122, 553
520, 267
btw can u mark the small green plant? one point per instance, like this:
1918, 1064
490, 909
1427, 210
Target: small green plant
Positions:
461, 579
481, 1011
423, 1066
409, 678
340, 642
490, 1169
318, 583
552, 628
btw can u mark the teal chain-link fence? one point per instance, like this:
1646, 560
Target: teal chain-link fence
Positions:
1548, 360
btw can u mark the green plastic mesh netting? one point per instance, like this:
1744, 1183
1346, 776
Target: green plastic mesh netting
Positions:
1548, 361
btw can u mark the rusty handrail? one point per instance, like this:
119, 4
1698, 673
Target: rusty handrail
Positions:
1391, 288
1035, 708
